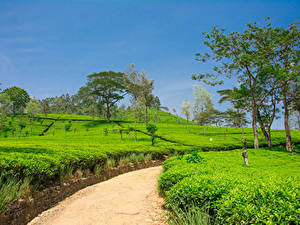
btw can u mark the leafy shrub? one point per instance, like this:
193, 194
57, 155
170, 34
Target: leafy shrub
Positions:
194, 157
275, 201
262, 193
151, 128
201, 190
105, 131
68, 126
176, 174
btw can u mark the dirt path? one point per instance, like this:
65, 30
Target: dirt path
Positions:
127, 199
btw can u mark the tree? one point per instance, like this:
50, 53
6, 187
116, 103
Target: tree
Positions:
132, 83
151, 128
22, 125
108, 87
203, 100
32, 108
243, 56
146, 93
186, 110
284, 66
238, 97
156, 103
45, 106
295, 103
18, 96
5, 107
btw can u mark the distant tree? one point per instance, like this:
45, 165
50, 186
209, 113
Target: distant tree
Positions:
235, 118
18, 96
133, 85
156, 103
32, 108
146, 93
203, 100
186, 110
21, 125
108, 87
45, 106
5, 107
239, 98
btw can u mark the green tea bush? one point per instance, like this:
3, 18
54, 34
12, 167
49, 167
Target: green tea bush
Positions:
274, 201
176, 174
266, 192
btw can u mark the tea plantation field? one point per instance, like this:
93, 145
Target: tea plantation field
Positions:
76, 144
266, 192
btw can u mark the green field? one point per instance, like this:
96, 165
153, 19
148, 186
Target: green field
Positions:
91, 144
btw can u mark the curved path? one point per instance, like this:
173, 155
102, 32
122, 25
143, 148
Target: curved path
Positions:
127, 199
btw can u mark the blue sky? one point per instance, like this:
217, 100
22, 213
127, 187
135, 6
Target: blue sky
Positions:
49, 47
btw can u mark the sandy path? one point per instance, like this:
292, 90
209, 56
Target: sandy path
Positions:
127, 199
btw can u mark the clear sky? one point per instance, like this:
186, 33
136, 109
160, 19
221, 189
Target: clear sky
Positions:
49, 47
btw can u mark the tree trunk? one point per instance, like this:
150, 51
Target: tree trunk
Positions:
146, 116
187, 121
262, 127
286, 124
31, 127
298, 120
254, 126
135, 120
107, 113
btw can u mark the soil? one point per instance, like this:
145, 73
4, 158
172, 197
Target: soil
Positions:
127, 199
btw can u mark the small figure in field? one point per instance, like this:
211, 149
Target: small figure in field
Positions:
244, 154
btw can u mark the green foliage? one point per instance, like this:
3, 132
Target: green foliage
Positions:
68, 126
193, 216
18, 96
194, 157
267, 192
105, 130
151, 128
22, 124
12, 188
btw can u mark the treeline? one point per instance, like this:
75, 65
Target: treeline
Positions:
264, 60
98, 97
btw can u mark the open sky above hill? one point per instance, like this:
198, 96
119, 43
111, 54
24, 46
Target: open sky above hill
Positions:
48, 47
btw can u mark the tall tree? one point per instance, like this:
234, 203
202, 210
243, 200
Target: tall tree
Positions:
18, 96
133, 85
5, 107
32, 108
186, 108
45, 106
146, 93
284, 66
243, 56
108, 87
203, 99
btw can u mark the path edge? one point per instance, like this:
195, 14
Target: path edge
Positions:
23, 211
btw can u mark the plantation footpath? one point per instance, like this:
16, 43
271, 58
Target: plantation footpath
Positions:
127, 199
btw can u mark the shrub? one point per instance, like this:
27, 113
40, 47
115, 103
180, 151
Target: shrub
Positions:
267, 192
275, 201
194, 157
68, 126
176, 174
